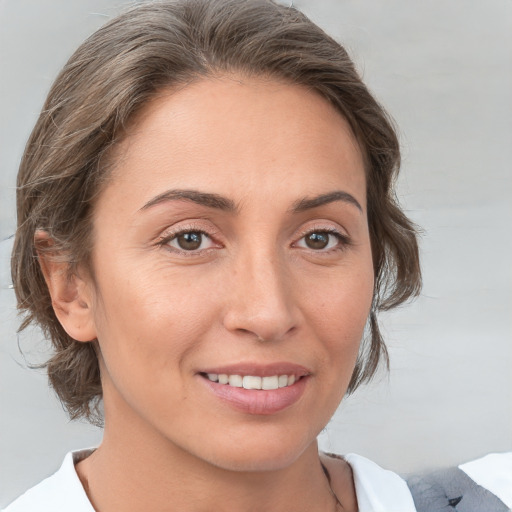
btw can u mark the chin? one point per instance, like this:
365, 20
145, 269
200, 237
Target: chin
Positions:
252, 463
260, 453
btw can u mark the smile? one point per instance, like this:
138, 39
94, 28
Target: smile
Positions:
257, 389
252, 381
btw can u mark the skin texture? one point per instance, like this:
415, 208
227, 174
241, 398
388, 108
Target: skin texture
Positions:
254, 292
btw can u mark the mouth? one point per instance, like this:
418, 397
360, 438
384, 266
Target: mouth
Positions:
266, 383
255, 389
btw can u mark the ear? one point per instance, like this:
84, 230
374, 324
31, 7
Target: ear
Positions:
71, 294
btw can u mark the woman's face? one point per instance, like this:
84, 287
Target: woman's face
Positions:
232, 244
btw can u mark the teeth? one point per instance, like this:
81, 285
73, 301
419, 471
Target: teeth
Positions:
282, 381
250, 382
236, 381
270, 382
253, 381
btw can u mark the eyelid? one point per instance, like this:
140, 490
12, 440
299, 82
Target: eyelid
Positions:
343, 237
192, 226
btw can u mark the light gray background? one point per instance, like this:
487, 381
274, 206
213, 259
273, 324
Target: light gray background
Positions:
443, 69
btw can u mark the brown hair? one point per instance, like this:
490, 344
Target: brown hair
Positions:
117, 71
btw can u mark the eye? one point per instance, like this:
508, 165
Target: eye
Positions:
321, 240
190, 241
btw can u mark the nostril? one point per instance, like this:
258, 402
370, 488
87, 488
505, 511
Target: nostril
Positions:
261, 322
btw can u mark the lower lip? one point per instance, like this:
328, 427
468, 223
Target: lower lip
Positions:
256, 401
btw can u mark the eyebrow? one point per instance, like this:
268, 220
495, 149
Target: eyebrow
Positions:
223, 203
203, 198
338, 195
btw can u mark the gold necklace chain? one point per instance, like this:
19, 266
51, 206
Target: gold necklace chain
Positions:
334, 495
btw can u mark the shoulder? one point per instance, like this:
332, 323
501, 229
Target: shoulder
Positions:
376, 489
60, 492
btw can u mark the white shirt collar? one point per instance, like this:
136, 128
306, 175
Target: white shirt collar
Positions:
61, 492
377, 490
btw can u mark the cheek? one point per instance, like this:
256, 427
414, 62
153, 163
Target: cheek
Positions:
148, 331
149, 322
340, 310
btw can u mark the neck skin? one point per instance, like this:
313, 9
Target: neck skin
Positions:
136, 469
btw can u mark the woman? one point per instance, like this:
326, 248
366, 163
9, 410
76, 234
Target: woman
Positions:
206, 225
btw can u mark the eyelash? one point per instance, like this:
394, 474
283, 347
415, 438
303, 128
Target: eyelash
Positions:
343, 240
165, 240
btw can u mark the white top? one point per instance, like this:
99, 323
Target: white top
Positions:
377, 490
494, 473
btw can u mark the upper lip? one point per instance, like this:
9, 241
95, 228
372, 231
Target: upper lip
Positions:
260, 370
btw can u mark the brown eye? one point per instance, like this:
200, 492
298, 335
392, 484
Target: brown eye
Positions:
189, 240
321, 240
318, 240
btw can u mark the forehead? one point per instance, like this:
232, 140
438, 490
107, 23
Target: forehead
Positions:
233, 134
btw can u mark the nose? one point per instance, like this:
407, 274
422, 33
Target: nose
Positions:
261, 300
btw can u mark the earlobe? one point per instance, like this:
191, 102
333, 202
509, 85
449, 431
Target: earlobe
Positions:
71, 294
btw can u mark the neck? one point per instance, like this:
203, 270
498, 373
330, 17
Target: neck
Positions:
136, 469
